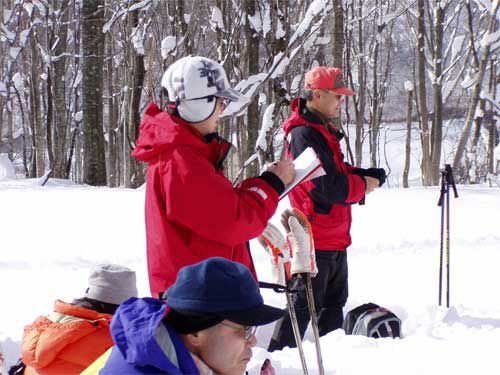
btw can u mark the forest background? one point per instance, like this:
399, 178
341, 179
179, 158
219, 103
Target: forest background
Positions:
76, 75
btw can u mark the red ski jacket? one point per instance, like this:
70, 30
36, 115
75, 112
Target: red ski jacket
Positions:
192, 210
327, 199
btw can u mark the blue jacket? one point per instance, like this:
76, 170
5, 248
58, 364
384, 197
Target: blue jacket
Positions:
144, 344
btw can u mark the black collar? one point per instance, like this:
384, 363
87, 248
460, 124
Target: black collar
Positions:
306, 114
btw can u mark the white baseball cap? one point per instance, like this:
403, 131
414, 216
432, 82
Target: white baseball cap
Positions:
193, 83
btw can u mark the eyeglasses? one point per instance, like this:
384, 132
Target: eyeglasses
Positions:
249, 330
339, 97
332, 92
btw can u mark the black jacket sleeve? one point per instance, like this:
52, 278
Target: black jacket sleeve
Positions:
274, 181
330, 188
378, 173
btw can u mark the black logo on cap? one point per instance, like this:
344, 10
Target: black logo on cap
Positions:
213, 75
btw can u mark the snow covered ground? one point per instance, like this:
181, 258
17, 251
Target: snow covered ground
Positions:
50, 236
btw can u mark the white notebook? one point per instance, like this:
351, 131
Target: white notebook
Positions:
307, 166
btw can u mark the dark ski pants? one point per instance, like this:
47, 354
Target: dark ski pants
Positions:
330, 289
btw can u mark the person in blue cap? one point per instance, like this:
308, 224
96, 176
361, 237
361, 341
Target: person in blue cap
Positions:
206, 325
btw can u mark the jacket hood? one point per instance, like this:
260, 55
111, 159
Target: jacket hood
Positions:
296, 119
301, 116
144, 340
159, 131
46, 338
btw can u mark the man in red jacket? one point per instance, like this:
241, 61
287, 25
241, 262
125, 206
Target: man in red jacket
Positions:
325, 200
192, 210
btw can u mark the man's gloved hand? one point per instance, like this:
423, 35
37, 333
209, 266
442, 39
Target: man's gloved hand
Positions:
378, 173
275, 244
300, 241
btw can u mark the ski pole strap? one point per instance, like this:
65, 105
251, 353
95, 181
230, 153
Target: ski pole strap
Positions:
276, 287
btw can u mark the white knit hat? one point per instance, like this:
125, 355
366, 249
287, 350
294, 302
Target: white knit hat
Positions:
193, 82
111, 283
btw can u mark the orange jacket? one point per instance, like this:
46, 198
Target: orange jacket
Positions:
68, 342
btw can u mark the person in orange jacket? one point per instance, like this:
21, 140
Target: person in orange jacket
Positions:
77, 333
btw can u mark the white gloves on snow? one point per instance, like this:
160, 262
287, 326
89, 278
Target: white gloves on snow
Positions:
296, 253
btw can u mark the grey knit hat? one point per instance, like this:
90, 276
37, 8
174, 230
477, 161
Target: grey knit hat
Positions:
111, 283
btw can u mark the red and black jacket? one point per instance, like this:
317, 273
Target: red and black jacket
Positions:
192, 210
327, 199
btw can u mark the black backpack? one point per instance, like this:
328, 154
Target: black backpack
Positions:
371, 320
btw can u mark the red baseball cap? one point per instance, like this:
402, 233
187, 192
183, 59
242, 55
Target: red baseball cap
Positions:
325, 78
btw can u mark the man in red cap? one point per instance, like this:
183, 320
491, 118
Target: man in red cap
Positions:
326, 200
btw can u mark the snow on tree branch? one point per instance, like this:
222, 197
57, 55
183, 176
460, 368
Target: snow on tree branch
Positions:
267, 126
408, 86
216, 20
489, 39
123, 10
169, 44
318, 9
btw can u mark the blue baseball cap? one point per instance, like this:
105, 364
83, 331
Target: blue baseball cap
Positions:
223, 288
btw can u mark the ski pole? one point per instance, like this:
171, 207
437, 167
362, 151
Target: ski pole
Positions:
448, 247
450, 180
447, 180
441, 246
314, 322
295, 327
272, 240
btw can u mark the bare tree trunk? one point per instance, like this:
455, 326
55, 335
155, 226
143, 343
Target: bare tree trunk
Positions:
338, 46
138, 74
94, 172
424, 136
437, 125
49, 118
375, 105
2, 112
125, 126
252, 61
485, 55
59, 89
406, 169
112, 125
183, 26
10, 128
338, 33
374, 123
278, 95
39, 147
361, 95
72, 145
478, 124
492, 135
24, 133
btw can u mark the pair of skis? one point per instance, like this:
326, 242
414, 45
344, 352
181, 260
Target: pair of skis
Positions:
294, 255
314, 324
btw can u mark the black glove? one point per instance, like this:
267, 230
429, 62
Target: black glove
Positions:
378, 173
18, 368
